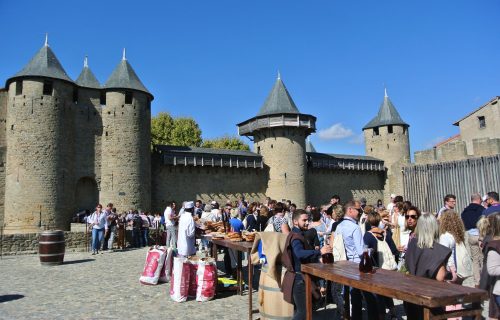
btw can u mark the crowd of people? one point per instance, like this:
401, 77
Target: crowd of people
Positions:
398, 236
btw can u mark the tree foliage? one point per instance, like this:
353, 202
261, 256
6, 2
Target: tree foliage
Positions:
226, 142
185, 132
166, 130
161, 129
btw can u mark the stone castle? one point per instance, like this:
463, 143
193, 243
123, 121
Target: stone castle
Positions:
67, 145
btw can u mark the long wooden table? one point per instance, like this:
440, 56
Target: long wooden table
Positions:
240, 246
417, 290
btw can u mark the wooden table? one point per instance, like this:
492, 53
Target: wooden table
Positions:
240, 247
417, 290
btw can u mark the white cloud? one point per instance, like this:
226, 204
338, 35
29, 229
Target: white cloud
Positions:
357, 139
335, 132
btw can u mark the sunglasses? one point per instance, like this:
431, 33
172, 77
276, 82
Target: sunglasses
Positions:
414, 217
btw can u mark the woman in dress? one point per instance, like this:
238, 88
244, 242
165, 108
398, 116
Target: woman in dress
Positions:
278, 220
491, 271
425, 257
398, 221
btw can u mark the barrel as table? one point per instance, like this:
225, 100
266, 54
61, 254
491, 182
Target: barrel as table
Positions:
51, 247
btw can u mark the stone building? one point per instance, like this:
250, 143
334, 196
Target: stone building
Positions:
479, 136
66, 145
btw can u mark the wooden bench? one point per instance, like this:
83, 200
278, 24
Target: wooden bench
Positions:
417, 290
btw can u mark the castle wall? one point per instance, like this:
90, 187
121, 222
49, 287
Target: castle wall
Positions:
179, 183
37, 171
126, 151
88, 134
394, 149
322, 184
284, 153
4, 96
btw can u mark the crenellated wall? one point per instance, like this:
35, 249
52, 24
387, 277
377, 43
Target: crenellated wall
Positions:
181, 183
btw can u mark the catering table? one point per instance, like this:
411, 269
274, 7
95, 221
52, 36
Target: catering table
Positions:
240, 247
417, 290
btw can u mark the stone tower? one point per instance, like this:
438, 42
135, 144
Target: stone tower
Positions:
387, 138
38, 138
126, 140
279, 133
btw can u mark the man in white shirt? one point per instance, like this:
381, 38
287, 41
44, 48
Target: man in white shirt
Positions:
186, 236
170, 228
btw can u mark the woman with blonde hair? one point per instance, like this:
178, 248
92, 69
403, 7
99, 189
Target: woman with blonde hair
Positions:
425, 257
452, 233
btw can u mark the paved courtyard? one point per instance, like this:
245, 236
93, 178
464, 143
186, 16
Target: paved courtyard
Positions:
105, 286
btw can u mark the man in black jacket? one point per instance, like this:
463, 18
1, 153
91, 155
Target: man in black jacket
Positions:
470, 217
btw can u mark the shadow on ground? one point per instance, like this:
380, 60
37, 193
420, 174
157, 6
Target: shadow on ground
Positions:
77, 261
10, 297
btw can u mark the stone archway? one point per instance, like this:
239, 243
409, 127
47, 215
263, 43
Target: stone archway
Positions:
86, 194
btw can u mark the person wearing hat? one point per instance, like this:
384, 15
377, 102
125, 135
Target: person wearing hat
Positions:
185, 238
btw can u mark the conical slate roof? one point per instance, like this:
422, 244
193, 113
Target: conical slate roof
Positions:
387, 115
278, 101
124, 77
87, 78
309, 146
44, 64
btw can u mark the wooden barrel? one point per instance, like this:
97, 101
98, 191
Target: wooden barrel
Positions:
51, 246
271, 303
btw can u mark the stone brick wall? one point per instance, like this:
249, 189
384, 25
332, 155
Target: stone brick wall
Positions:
469, 126
284, 154
179, 183
27, 243
37, 170
394, 149
322, 184
126, 151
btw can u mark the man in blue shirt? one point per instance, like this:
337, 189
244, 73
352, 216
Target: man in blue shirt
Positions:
353, 242
493, 204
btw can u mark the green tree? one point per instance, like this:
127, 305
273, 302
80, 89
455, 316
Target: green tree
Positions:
186, 132
226, 142
161, 129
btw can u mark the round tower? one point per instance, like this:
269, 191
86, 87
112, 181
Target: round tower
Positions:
279, 134
387, 138
38, 171
126, 140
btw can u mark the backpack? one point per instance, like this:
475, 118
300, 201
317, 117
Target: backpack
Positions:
463, 261
137, 222
386, 259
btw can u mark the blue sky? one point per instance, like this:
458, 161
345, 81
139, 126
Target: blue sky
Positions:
216, 61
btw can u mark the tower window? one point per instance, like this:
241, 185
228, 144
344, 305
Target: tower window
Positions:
258, 150
19, 87
75, 95
47, 88
128, 97
482, 122
389, 129
375, 131
148, 104
102, 98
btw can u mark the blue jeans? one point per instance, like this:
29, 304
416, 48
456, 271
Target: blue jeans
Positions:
145, 237
299, 299
97, 235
